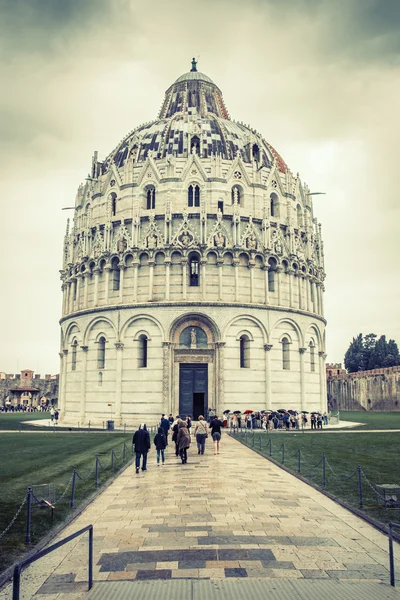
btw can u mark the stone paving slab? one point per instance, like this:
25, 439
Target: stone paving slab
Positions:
209, 520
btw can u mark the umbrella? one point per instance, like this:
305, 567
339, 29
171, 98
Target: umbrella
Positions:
237, 412
226, 412
248, 411
292, 412
282, 410
305, 412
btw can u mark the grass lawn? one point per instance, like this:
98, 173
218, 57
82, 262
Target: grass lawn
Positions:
372, 420
9, 420
40, 458
376, 453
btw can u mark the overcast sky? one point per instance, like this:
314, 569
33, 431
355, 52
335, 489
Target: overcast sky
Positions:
318, 79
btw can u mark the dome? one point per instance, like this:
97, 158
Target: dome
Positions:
193, 106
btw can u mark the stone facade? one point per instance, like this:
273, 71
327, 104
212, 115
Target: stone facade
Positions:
194, 263
378, 389
28, 389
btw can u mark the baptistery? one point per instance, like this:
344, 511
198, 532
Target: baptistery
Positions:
193, 273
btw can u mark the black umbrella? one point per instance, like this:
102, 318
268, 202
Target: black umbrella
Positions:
227, 411
237, 412
305, 412
281, 410
292, 412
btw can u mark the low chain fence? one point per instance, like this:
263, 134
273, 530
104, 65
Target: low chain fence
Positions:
354, 487
63, 495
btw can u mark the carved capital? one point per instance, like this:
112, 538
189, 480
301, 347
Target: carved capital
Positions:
166, 344
220, 344
322, 354
61, 355
85, 348
302, 350
65, 352
268, 347
119, 346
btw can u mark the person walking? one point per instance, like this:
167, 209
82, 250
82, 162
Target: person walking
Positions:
165, 424
160, 442
215, 427
183, 441
174, 429
201, 433
141, 443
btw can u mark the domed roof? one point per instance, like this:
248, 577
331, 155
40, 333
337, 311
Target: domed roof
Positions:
193, 107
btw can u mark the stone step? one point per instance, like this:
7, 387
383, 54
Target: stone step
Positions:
237, 589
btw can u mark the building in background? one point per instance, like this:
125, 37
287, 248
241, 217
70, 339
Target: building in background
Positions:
28, 389
334, 369
193, 275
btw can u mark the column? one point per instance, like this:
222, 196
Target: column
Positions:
300, 291
64, 295
322, 382
322, 299
302, 380
63, 382
167, 276
118, 381
266, 284
219, 267
96, 272
268, 404
151, 279
235, 264
278, 272
85, 289
308, 293
135, 266
121, 282
184, 278
203, 279
167, 402
290, 273
83, 384
220, 396
71, 295
78, 290
107, 270
251, 267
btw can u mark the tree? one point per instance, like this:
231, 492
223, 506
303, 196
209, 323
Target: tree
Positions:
365, 353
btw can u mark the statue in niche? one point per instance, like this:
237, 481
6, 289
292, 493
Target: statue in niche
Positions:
185, 238
252, 242
122, 245
278, 247
152, 241
219, 239
193, 343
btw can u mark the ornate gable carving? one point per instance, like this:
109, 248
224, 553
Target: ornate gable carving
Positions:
185, 237
219, 236
278, 243
98, 243
121, 240
251, 238
152, 238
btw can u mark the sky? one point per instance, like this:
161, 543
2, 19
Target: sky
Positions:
318, 79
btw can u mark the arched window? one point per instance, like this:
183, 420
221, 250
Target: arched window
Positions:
74, 353
256, 153
151, 197
113, 196
244, 342
271, 280
274, 207
116, 275
194, 195
237, 194
221, 206
101, 353
195, 145
100, 378
194, 270
312, 356
285, 353
142, 355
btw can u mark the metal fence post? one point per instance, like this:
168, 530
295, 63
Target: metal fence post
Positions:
254, 439
299, 460
391, 556
323, 471
270, 446
112, 460
260, 441
360, 490
124, 427
28, 515
124, 452
283, 453
71, 504
89, 426
97, 471
90, 558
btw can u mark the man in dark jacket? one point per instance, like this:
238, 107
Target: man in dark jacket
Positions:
165, 424
141, 443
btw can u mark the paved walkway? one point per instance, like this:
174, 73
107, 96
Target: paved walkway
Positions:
234, 515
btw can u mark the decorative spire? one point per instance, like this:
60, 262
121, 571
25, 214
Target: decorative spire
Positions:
194, 65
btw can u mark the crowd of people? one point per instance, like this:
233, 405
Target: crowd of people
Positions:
181, 438
22, 408
281, 419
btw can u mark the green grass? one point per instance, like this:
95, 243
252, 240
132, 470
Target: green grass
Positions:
39, 458
372, 420
376, 453
11, 420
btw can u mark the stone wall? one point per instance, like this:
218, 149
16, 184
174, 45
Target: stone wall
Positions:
378, 389
47, 387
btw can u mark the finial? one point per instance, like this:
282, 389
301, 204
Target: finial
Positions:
194, 65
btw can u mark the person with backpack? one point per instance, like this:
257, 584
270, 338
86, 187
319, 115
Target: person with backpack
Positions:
201, 433
160, 442
183, 441
141, 444
165, 424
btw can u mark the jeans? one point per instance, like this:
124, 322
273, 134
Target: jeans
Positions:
160, 452
183, 454
201, 442
144, 461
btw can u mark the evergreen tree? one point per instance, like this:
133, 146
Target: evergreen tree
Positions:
365, 353
353, 358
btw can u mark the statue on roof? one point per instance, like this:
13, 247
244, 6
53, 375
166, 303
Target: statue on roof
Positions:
194, 65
